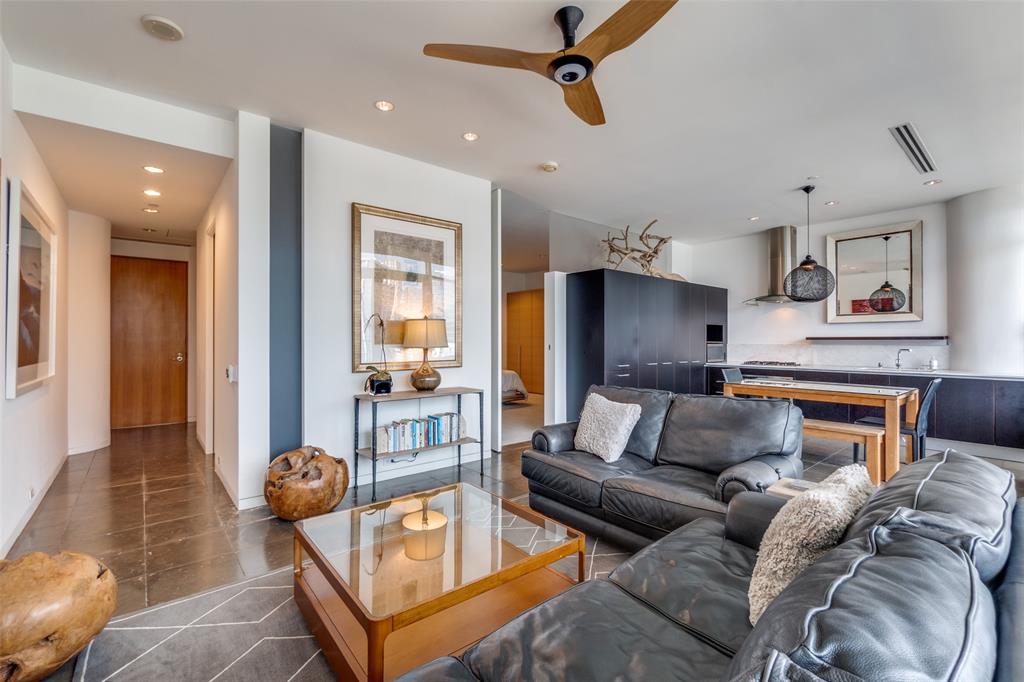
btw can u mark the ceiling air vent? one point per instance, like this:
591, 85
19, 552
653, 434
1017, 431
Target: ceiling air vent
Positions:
909, 140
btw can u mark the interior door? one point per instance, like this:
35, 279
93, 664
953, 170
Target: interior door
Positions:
524, 337
148, 342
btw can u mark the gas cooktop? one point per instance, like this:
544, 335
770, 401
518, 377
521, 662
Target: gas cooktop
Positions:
772, 362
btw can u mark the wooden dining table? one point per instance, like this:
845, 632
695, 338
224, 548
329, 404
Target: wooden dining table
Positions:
889, 398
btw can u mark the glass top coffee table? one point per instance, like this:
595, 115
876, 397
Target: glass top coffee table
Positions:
390, 585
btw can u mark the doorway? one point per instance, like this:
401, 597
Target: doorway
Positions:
148, 342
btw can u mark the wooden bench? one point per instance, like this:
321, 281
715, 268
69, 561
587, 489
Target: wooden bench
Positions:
871, 437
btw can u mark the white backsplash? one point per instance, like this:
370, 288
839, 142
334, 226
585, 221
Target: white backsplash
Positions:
841, 354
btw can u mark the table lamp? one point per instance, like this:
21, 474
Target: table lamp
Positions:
425, 333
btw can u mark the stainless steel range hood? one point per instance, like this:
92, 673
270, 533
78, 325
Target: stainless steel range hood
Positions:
781, 260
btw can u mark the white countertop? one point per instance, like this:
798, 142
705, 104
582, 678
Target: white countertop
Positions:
910, 371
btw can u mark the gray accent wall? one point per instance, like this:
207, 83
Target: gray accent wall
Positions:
285, 290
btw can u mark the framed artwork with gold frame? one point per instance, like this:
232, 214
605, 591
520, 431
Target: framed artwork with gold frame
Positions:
404, 266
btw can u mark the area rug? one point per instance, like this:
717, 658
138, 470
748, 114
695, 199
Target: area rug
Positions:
251, 630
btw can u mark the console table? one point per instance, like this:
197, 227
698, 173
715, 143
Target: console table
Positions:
375, 400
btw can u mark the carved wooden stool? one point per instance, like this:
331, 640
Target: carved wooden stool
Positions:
305, 482
51, 607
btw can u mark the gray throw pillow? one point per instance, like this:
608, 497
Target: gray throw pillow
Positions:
605, 426
807, 527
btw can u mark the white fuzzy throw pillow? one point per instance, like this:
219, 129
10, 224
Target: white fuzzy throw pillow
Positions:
605, 427
807, 527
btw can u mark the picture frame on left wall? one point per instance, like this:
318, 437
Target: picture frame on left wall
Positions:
31, 304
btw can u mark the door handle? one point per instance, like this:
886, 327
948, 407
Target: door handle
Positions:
180, 357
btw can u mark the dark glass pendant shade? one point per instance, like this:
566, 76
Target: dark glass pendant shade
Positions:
887, 298
809, 282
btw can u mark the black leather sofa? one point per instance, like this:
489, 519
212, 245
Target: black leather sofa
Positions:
926, 585
685, 459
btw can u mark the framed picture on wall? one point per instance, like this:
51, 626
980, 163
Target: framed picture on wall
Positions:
31, 293
404, 266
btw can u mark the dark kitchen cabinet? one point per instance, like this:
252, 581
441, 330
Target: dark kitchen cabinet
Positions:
626, 329
867, 379
965, 410
1009, 420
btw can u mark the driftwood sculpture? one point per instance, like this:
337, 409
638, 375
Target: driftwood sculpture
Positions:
305, 482
620, 251
51, 607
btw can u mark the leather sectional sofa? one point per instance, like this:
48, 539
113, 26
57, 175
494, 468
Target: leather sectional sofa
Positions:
685, 459
928, 584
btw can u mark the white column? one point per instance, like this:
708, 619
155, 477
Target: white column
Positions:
985, 267
88, 332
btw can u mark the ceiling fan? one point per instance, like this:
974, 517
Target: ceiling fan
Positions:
572, 67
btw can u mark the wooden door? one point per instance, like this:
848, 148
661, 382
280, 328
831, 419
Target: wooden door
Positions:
148, 342
524, 335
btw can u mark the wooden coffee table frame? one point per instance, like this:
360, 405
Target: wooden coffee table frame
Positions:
449, 623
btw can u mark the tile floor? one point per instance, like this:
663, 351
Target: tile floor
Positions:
151, 507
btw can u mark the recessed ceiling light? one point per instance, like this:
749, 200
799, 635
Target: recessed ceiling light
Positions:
933, 181
470, 137
162, 28
753, 218
549, 166
149, 229
151, 192
831, 203
384, 105
153, 169
151, 209
814, 177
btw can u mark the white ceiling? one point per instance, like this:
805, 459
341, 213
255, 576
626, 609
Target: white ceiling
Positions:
524, 234
717, 114
100, 172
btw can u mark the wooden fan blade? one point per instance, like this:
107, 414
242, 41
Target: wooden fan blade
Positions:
583, 100
492, 56
621, 29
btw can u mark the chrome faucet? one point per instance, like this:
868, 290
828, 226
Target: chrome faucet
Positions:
901, 351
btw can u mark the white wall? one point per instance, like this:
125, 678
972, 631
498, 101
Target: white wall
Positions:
779, 331
88, 332
986, 280
138, 249
33, 427
575, 245
253, 301
66, 99
337, 173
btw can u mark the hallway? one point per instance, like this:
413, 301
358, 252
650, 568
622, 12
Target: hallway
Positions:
151, 507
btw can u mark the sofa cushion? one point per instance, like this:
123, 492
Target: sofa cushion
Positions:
711, 433
1010, 606
594, 631
605, 427
654, 404
696, 577
662, 499
887, 605
807, 527
577, 475
951, 497
446, 668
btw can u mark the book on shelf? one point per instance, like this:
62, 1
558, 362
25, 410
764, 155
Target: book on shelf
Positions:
414, 434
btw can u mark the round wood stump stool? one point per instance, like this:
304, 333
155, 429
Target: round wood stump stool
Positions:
51, 607
305, 482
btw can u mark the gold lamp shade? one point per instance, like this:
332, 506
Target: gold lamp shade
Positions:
425, 333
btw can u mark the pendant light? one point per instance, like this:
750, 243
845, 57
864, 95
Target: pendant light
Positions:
887, 299
809, 282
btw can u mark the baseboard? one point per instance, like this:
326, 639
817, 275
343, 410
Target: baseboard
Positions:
90, 448
978, 449
8, 542
251, 502
232, 493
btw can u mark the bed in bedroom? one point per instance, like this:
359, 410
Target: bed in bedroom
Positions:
512, 387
